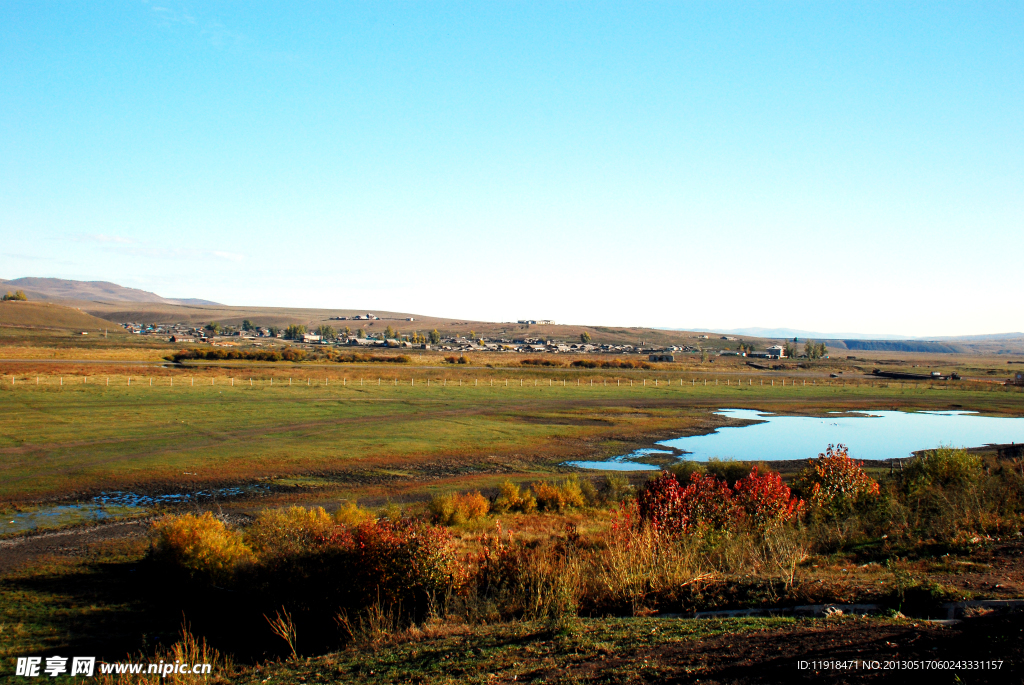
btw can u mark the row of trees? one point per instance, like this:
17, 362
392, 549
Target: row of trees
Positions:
16, 295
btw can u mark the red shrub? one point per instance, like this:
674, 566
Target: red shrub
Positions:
660, 502
705, 503
765, 501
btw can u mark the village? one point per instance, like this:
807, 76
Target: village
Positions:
228, 336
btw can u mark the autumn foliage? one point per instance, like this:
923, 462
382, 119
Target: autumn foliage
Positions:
833, 482
706, 502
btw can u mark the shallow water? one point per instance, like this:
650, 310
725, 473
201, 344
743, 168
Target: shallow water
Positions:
110, 505
63, 515
869, 435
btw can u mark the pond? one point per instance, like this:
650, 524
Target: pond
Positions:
869, 435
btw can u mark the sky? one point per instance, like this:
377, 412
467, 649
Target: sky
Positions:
824, 166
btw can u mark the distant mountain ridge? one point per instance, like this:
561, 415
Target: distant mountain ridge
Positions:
93, 291
790, 333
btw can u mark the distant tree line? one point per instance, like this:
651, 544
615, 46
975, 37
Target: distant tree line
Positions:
16, 295
814, 350
611, 364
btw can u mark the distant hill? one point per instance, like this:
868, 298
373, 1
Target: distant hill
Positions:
52, 315
92, 291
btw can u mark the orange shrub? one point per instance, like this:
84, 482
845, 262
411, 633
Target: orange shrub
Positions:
833, 482
449, 508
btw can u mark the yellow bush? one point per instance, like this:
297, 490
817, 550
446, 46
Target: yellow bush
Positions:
351, 514
290, 531
202, 545
442, 507
510, 498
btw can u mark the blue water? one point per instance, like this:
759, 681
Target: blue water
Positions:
868, 435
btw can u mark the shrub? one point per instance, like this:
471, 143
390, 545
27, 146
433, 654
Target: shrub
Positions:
201, 545
287, 532
707, 504
833, 482
398, 563
511, 498
351, 514
585, 364
615, 487
449, 509
539, 362
765, 501
559, 496
590, 494
660, 502
728, 470
943, 468
704, 504
684, 469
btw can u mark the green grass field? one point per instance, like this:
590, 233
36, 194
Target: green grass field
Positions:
68, 436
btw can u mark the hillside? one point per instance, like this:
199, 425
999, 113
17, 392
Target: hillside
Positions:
103, 291
47, 315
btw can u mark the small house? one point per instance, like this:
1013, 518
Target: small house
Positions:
661, 358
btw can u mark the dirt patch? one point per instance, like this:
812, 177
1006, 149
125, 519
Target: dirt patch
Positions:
15, 552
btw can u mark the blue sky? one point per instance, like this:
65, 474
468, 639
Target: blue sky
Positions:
825, 166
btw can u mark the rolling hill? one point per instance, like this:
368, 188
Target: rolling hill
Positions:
49, 315
58, 289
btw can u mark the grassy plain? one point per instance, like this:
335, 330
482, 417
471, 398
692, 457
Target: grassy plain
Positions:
165, 429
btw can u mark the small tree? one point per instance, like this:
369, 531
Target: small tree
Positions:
294, 331
348, 332
435, 337
472, 335
389, 333
584, 337
703, 356
791, 349
15, 296
273, 330
247, 325
213, 327
361, 333
821, 351
326, 332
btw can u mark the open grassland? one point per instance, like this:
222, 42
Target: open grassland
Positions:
182, 429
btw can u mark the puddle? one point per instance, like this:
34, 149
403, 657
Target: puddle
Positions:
64, 515
872, 435
114, 505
